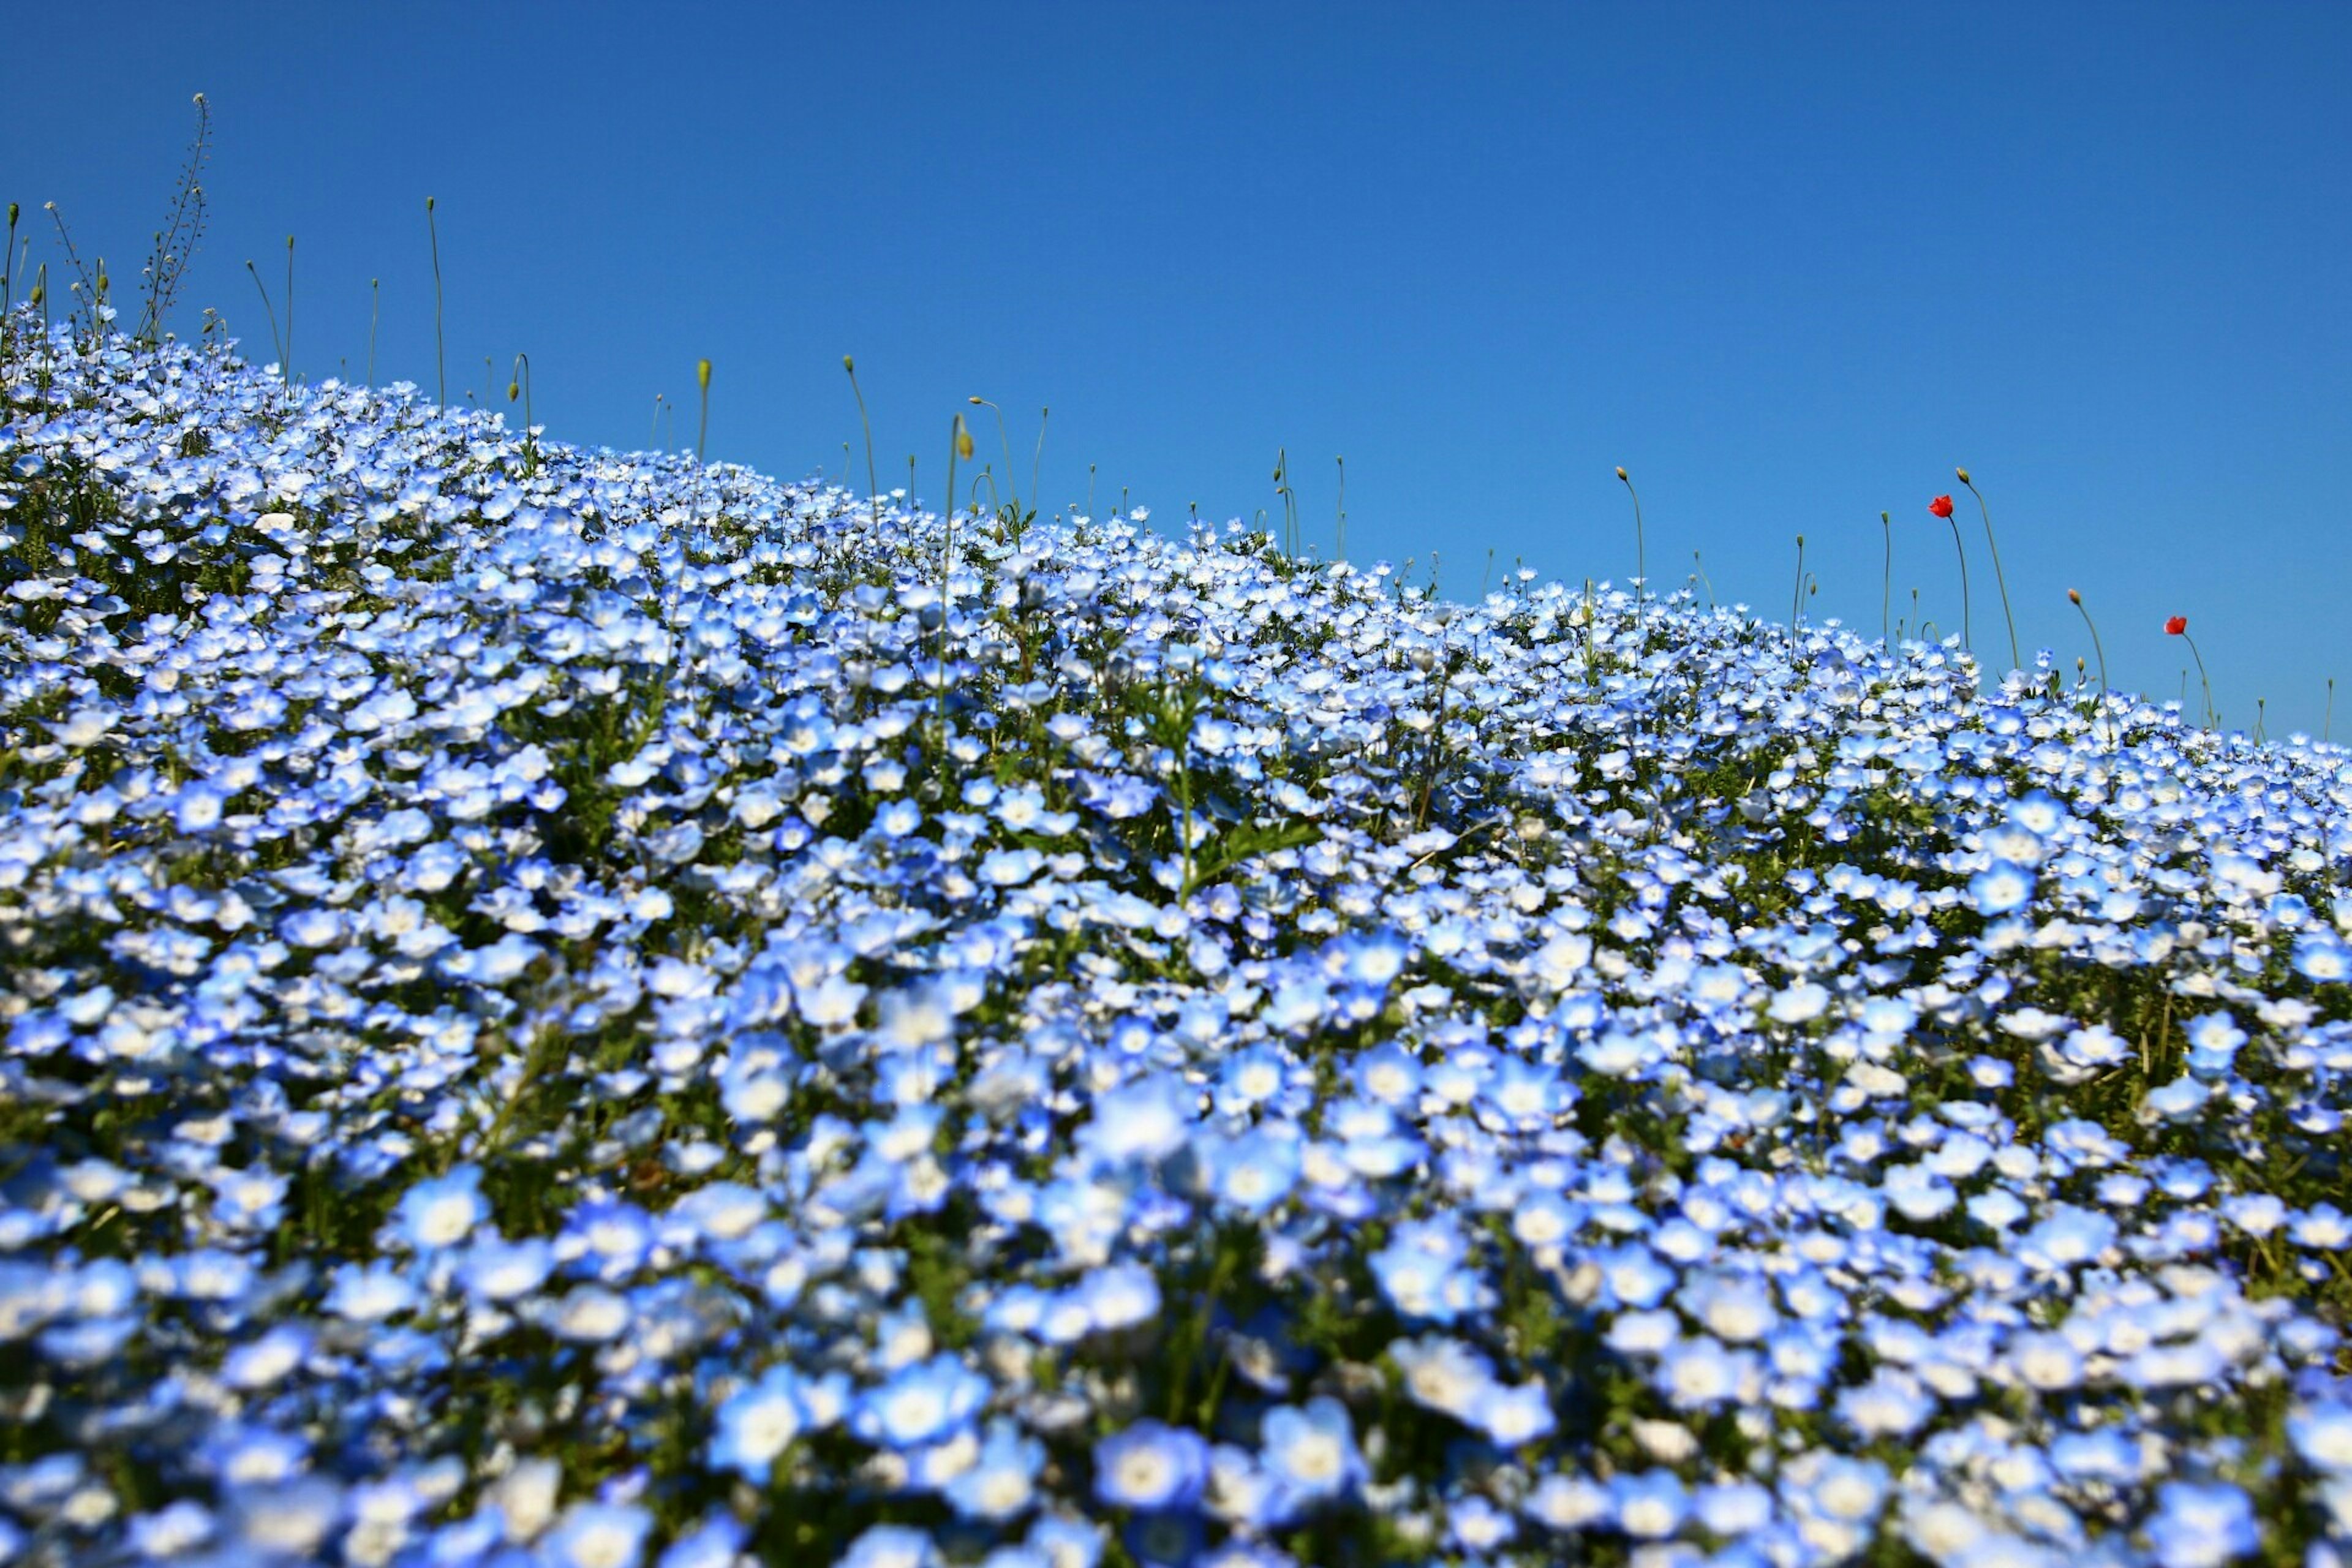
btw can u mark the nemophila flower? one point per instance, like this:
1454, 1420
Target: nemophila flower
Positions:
920, 1403
758, 1421
713, 1543
1000, 1483
2323, 1227
2002, 888
1513, 1414
442, 1212
2322, 1435
1442, 1374
1256, 1170
597, 1535
1476, 1525
1150, 1467
1648, 1506
1147, 1120
492, 1269
2322, 957
2201, 1526
1164, 1539
369, 1293
891, 1546
1312, 1449
1893, 1403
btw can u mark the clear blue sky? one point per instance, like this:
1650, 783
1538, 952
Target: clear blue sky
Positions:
1788, 264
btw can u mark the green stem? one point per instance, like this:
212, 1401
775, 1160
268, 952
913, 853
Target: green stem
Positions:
872, 484
1886, 579
2200, 676
2014, 662
1968, 643
440, 355
2096, 647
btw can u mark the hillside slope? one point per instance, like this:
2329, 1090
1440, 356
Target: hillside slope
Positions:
575, 1005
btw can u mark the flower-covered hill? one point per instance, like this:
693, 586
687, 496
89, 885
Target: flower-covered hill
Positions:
583, 1008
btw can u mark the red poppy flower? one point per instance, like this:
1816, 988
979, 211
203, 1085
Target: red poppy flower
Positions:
1941, 506
2176, 625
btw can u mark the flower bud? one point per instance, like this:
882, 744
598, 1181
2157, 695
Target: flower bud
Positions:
1963, 473
1621, 474
702, 374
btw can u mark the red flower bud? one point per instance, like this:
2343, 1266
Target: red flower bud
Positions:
2176, 625
1941, 506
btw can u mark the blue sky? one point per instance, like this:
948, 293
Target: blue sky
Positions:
1787, 265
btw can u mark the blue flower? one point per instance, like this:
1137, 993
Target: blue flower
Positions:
439, 1213
920, 1403
891, 1546
1312, 1450
713, 1543
1146, 1120
1257, 1170
597, 1535
2201, 1525
757, 1423
1002, 1482
2000, 888
1152, 1467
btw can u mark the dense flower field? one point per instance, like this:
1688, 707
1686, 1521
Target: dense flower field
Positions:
581, 1008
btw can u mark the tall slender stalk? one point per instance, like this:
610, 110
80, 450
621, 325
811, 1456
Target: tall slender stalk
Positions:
702, 432
2076, 600
289, 310
872, 484
8, 274
1797, 597
375, 308
440, 356
958, 446
2014, 662
1037, 463
1290, 502
2179, 625
167, 265
1006, 442
1886, 579
275, 343
1003, 439
1942, 507
1641, 556
2201, 680
1339, 540
522, 382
